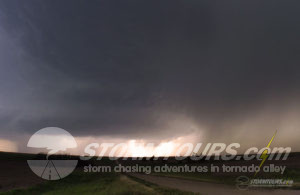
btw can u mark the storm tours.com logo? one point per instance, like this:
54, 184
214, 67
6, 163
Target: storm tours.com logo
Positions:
55, 140
54, 164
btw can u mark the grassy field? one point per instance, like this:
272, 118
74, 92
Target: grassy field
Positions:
292, 171
95, 183
17, 178
293, 174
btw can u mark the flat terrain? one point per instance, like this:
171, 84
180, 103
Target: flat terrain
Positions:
15, 173
91, 183
205, 187
17, 178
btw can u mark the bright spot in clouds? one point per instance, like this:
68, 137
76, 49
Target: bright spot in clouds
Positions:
8, 146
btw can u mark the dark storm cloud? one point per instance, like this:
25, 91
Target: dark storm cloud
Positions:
127, 67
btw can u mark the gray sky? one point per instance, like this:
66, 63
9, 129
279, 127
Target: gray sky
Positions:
226, 70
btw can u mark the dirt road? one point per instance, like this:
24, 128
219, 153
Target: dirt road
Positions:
205, 187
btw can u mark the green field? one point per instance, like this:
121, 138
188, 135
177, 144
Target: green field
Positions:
95, 183
17, 178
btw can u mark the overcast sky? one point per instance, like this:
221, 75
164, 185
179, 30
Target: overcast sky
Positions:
220, 70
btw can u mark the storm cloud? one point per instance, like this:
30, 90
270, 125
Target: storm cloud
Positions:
151, 69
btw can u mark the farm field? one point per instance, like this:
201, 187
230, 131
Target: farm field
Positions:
17, 178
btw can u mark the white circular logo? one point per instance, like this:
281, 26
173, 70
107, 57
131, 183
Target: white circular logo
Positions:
55, 140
